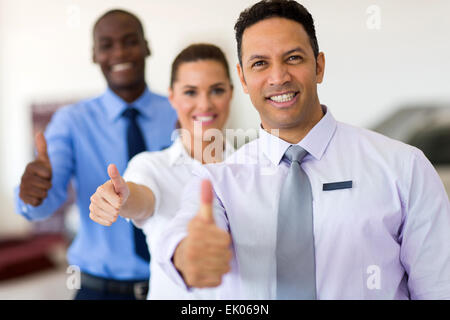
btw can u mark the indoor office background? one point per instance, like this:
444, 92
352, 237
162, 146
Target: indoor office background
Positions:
381, 56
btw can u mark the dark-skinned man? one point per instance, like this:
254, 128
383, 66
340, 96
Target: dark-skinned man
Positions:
79, 143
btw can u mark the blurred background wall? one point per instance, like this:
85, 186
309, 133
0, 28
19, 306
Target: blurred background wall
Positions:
380, 54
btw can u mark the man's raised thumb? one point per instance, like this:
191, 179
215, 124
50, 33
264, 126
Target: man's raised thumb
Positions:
206, 201
41, 147
118, 182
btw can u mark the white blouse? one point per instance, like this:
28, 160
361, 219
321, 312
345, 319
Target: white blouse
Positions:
166, 173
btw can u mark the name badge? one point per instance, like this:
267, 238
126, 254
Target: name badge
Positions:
337, 185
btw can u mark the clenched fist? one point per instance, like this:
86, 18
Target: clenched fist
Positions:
204, 256
108, 200
37, 178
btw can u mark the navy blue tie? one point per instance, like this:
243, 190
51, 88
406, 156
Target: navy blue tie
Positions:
136, 144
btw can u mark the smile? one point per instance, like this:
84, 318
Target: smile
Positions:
283, 97
121, 67
204, 119
283, 100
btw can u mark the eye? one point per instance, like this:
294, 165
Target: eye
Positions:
218, 91
190, 93
131, 42
259, 64
105, 46
295, 58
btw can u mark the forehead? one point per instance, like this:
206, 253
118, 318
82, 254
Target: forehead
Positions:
115, 25
202, 72
274, 36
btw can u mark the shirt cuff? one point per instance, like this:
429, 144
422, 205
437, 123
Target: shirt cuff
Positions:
21, 207
166, 262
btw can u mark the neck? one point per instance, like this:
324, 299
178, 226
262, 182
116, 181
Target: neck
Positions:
130, 94
204, 151
296, 133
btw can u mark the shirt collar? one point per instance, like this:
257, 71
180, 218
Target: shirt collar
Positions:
115, 105
178, 154
315, 142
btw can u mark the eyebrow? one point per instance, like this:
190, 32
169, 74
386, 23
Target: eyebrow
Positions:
217, 84
258, 56
299, 49
188, 86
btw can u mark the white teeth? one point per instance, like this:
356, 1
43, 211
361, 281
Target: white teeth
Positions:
204, 119
121, 66
283, 98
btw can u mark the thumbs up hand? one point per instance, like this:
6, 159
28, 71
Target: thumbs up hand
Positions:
108, 200
204, 256
37, 177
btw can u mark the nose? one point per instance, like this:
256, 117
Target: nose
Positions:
118, 51
279, 74
204, 102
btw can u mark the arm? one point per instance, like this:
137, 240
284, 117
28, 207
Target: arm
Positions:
117, 197
43, 187
140, 204
425, 235
194, 250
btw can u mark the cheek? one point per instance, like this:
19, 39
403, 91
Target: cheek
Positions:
223, 104
184, 109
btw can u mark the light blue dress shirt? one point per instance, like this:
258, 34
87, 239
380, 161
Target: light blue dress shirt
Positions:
83, 139
386, 235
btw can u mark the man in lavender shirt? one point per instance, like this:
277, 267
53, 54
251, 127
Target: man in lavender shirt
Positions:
381, 216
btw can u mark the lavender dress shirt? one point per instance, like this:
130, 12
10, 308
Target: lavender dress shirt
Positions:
385, 235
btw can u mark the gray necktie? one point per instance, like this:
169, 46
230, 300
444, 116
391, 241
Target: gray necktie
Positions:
296, 274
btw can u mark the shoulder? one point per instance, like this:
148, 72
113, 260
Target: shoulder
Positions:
368, 140
158, 97
81, 109
246, 154
159, 100
162, 106
242, 161
156, 159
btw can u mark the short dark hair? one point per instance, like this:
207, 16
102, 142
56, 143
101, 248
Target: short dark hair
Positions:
119, 11
196, 52
265, 9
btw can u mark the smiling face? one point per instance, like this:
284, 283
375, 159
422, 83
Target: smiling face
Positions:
201, 93
120, 49
280, 73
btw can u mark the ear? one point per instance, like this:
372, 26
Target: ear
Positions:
320, 67
94, 59
241, 77
170, 97
147, 48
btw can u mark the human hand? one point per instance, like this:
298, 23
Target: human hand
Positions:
109, 198
204, 256
37, 177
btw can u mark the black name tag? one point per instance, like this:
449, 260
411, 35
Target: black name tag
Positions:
337, 185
